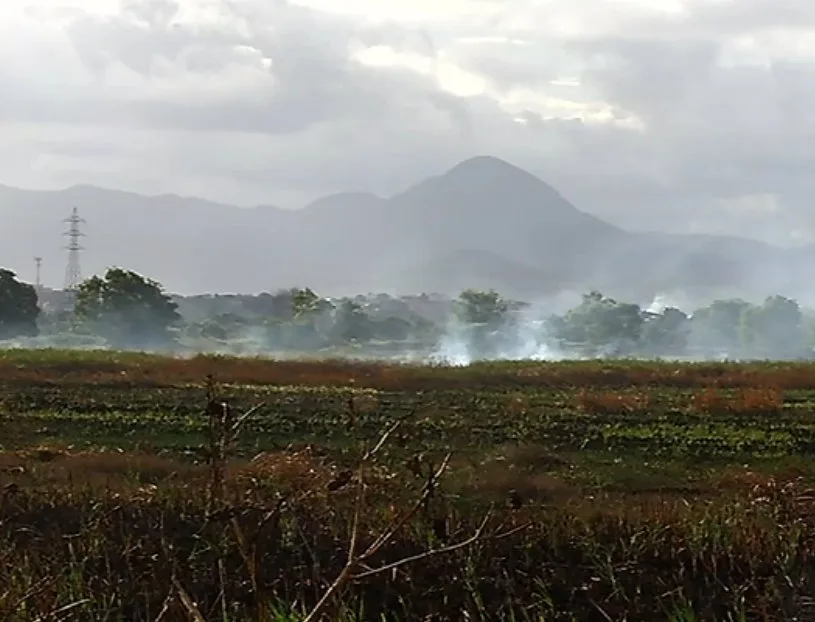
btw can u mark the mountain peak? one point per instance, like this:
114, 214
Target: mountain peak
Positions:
481, 163
484, 184
484, 173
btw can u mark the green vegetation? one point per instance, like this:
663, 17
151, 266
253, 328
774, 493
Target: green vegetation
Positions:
18, 307
619, 490
124, 310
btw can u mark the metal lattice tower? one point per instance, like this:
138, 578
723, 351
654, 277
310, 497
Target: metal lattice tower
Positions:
38, 262
73, 272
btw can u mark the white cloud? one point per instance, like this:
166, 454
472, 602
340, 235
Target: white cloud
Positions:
447, 75
411, 12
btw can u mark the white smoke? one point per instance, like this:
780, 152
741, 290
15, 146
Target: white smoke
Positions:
526, 340
658, 305
453, 348
666, 301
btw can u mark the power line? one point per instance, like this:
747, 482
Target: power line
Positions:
73, 271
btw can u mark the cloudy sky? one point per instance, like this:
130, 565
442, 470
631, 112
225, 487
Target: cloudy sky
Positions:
672, 114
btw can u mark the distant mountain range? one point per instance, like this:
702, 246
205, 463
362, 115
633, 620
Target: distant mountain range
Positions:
484, 223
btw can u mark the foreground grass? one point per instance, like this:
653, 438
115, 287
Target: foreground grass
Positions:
113, 535
645, 491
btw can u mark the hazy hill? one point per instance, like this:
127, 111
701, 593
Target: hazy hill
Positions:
459, 270
483, 223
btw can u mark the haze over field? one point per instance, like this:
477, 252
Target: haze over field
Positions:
599, 122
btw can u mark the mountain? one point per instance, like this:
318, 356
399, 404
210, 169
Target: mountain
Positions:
483, 223
487, 204
459, 270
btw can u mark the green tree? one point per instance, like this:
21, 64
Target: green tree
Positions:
309, 322
305, 303
224, 326
719, 325
483, 318
666, 333
351, 323
601, 325
127, 309
774, 329
393, 329
19, 308
481, 307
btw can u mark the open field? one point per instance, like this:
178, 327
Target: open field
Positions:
619, 490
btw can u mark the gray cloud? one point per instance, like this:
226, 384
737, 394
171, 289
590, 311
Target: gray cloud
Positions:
262, 102
739, 16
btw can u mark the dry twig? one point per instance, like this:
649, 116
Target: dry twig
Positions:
356, 569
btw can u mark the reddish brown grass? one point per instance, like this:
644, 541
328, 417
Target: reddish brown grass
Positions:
162, 371
294, 470
759, 400
612, 403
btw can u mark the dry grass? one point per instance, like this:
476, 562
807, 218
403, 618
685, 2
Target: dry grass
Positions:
710, 400
97, 528
118, 535
749, 400
520, 474
49, 467
108, 548
309, 470
613, 403
106, 368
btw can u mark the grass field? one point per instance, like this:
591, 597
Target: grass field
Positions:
572, 491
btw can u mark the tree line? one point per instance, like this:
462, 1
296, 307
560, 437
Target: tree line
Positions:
125, 310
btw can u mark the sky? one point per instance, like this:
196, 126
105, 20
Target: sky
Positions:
676, 115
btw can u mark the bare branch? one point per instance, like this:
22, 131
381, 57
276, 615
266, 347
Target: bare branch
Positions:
165, 607
339, 582
401, 522
382, 440
187, 601
478, 535
357, 561
236, 427
414, 558
352, 549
